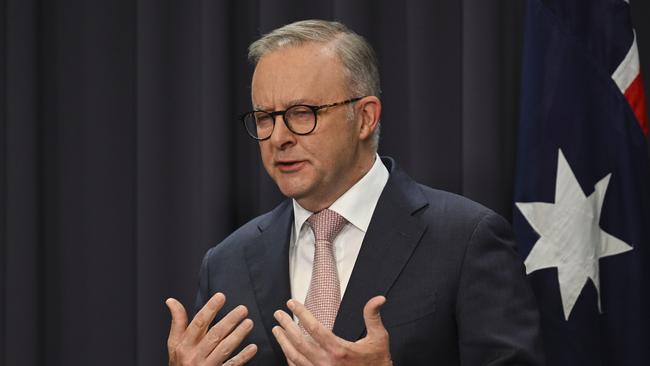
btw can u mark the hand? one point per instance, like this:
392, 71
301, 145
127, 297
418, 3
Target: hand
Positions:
196, 345
322, 347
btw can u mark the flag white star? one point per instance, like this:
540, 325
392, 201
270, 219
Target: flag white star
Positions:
570, 235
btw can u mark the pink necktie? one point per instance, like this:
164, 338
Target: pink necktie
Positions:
324, 294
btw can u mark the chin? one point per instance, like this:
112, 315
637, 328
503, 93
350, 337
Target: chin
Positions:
292, 192
293, 185
291, 189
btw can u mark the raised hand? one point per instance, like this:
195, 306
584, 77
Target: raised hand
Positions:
195, 344
322, 347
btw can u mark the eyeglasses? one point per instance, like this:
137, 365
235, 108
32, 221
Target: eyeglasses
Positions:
300, 119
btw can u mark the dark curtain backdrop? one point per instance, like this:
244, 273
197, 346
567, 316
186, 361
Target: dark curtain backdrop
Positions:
122, 160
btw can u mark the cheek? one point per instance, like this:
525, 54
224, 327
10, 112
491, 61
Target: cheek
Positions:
266, 155
331, 157
266, 149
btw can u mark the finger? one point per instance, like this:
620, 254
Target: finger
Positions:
203, 318
294, 357
178, 323
243, 356
372, 318
220, 331
323, 336
302, 342
223, 350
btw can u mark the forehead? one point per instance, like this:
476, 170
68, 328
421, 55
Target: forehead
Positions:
311, 72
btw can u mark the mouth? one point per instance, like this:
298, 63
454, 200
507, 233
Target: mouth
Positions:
290, 166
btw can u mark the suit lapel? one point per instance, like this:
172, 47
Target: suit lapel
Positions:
268, 265
392, 236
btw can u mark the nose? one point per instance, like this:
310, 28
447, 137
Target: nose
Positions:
282, 137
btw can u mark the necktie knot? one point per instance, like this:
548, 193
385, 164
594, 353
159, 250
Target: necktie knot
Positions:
326, 225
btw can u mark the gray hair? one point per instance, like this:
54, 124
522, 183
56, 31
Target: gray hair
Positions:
355, 53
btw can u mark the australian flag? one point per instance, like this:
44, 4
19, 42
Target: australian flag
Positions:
582, 190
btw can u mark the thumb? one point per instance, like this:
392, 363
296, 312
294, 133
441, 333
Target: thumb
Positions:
371, 317
178, 324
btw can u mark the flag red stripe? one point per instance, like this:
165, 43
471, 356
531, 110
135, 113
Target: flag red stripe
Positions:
636, 97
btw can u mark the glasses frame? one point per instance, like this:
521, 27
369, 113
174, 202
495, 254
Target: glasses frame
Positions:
314, 108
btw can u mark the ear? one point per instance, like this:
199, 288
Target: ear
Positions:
369, 113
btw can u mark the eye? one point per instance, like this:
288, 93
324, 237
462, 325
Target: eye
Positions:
262, 118
299, 113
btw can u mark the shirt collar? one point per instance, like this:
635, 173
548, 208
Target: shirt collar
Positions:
357, 204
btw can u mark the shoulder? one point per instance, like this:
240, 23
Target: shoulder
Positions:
448, 215
452, 211
248, 232
475, 236
427, 202
457, 206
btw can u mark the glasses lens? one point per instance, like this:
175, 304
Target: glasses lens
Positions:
259, 124
301, 119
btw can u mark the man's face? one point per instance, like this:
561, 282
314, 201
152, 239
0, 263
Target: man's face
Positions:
314, 169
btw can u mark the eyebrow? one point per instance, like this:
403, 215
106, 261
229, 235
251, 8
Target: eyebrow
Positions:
287, 105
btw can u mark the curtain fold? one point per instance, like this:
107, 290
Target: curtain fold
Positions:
122, 159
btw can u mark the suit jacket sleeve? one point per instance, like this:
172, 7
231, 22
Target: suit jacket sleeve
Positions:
497, 314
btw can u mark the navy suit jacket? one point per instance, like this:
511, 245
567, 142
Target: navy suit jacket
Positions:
455, 287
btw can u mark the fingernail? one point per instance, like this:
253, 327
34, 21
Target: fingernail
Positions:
248, 323
291, 305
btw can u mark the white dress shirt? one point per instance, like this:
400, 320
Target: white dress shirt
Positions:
356, 206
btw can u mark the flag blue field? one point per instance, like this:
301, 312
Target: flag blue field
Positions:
582, 189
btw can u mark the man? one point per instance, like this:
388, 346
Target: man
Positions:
356, 235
